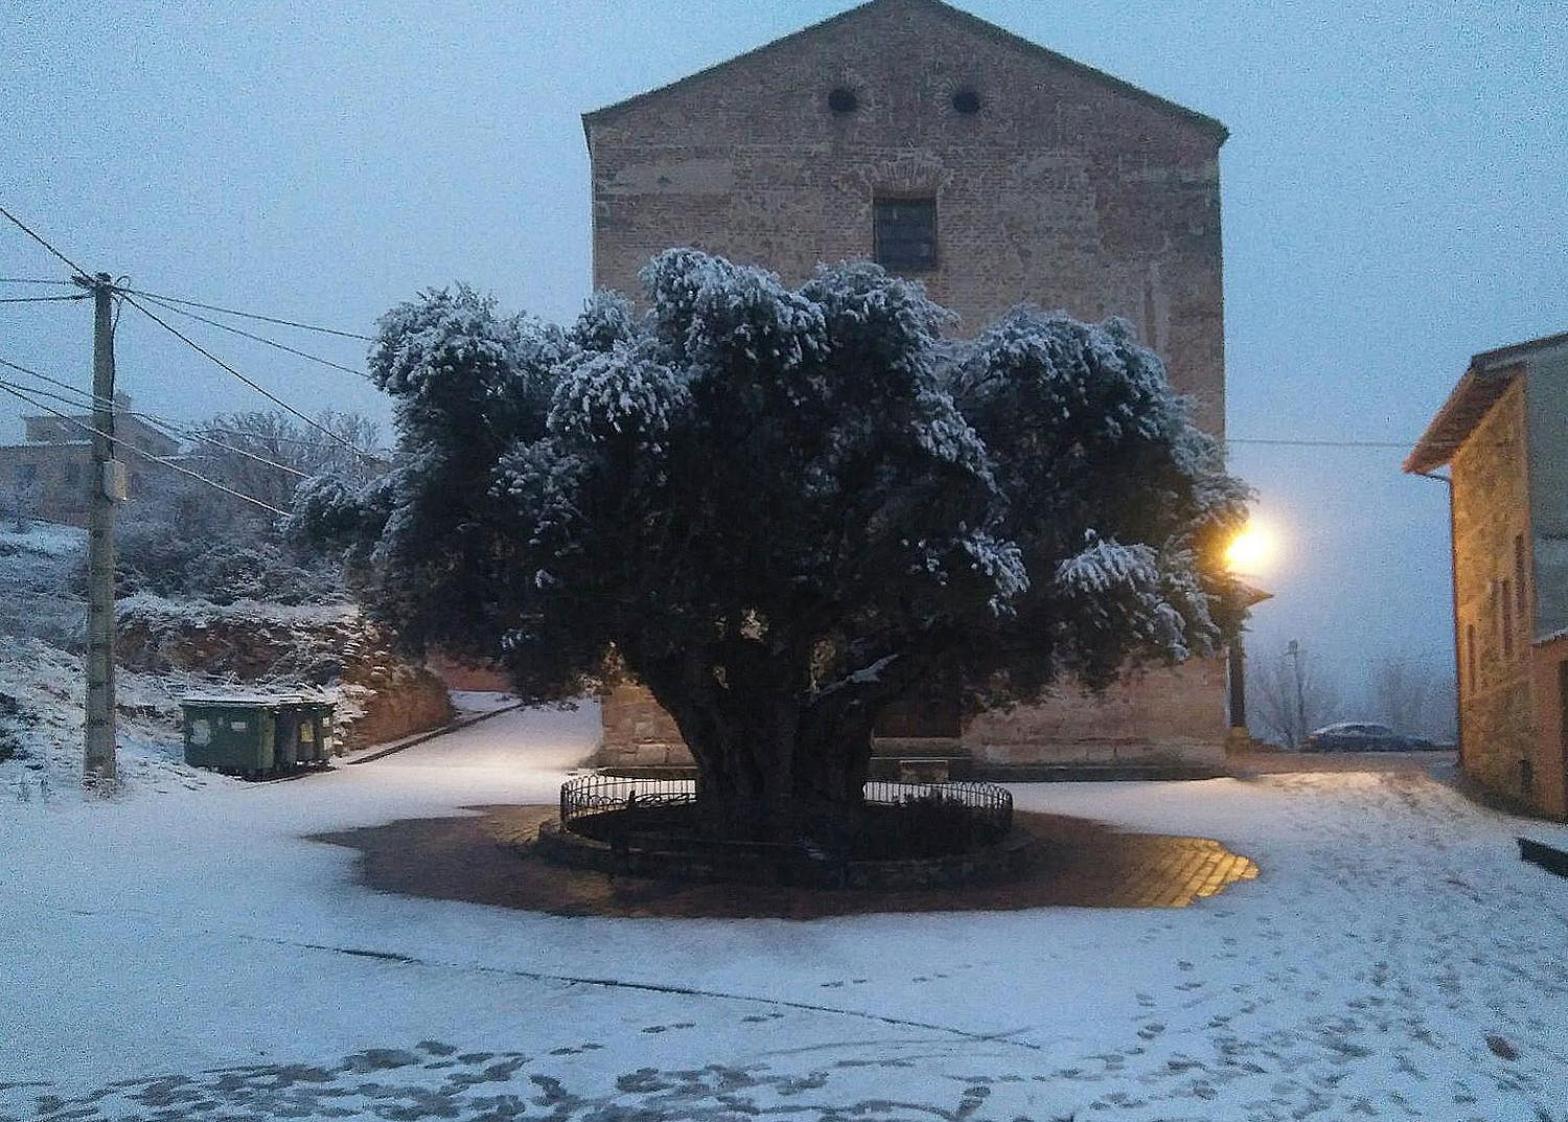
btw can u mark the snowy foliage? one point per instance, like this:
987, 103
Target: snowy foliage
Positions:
623, 392
188, 541
750, 496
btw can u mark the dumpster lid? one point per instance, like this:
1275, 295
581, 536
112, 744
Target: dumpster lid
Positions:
254, 699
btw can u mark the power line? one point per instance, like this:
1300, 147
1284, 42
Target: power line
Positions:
39, 238
45, 378
1263, 441
190, 431
168, 426
269, 395
196, 434
258, 338
39, 299
33, 280
252, 315
46, 393
7, 387
1313, 443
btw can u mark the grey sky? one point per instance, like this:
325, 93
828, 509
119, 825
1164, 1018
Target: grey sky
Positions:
1395, 192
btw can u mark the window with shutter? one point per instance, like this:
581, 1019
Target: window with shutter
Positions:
905, 234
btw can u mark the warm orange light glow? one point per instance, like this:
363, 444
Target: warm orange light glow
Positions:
1251, 550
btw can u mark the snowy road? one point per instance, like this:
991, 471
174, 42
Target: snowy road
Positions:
188, 954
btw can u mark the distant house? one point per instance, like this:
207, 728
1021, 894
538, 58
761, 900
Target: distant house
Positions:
997, 172
50, 475
1503, 433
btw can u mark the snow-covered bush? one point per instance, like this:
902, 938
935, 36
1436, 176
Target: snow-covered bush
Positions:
190, 541
783, 509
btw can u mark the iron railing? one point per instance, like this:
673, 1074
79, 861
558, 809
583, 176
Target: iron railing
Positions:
988, 806
599, 793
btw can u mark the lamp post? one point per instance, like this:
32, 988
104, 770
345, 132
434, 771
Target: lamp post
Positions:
1247, 555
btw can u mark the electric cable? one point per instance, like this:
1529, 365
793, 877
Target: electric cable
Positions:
258, 338
7, 387
252, 315
166, 425
39, 238
269, 395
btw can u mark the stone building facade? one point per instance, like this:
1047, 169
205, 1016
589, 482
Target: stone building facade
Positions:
50, 475
995, 171
1503, 433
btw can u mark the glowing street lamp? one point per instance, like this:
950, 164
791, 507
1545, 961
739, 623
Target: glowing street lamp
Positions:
1250, 551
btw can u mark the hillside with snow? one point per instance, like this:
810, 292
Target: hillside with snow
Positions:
169, 647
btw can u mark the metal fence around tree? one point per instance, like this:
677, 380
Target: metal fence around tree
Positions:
988, 807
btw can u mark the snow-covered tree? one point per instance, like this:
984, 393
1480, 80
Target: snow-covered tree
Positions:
783, 509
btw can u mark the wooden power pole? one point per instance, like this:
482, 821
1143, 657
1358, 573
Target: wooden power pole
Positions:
107, 487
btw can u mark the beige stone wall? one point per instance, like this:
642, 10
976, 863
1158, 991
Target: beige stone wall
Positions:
61, 475
1065, 190
637, 731
1153, 716
1174, 715
1491, 513
1550, 686
1546, 402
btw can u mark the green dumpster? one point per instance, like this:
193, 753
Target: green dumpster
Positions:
314, 732
257, 734
236, 734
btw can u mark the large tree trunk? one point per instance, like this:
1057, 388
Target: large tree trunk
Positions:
770, 759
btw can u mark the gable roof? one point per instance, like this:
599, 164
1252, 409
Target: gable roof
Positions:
954, 15
1488, 376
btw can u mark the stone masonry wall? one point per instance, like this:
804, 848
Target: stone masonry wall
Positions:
1063, 191
1550, 663
1066, 190
1491, 512
1152, 716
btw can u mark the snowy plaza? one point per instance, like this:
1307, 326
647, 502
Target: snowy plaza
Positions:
838, 561
187, 953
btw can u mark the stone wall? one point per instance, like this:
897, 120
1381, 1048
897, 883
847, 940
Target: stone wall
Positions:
1067, 189
1492, 521
459, 675
637, 731
1153, 716
1550, 686
1156, 716
383, 696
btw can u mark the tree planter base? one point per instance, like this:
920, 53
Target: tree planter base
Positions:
492, 857
899, 835
780, 865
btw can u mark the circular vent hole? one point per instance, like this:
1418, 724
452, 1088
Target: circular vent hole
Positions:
843, 100
966, 101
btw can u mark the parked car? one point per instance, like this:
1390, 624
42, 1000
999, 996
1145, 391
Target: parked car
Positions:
1363, 736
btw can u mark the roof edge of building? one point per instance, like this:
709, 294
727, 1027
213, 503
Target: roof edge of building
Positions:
1485, 379
1209, 124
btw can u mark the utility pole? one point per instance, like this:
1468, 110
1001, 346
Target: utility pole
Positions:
107, 486
1294, 650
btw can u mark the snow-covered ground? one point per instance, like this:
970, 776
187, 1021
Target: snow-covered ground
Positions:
42, 677
188, 953
42, 688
